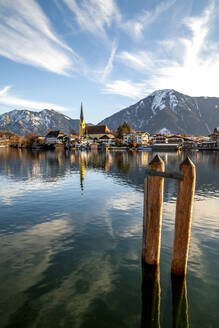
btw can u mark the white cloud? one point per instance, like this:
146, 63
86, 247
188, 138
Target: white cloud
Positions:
26, 37
5, 90
144, 61
140, 61
199, 26
135, 27
94, 16
109, 66
99, 74
189, 64
126, 88
196, 72
8, 99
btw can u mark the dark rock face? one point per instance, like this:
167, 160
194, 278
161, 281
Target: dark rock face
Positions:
23, 122
169, 111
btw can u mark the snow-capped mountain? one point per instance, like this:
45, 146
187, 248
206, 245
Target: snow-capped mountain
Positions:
169, 110
23, 122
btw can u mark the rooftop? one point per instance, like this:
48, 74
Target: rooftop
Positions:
97, 129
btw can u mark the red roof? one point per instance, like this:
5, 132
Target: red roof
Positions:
97, 129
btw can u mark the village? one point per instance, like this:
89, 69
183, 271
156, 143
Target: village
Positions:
100, 137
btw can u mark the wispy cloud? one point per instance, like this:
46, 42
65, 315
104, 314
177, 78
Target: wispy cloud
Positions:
196, 70
5, 90
126, 88
109, 66
94, 16
26, 36
136, 26
8, 99
188, 64
144, 61
100, 72
199, 27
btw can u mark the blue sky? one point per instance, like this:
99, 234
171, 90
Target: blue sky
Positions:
107, 53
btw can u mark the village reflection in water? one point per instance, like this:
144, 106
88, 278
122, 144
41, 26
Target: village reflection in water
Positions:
54, 165
71, 227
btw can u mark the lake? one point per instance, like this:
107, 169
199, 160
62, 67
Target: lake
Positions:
71, 238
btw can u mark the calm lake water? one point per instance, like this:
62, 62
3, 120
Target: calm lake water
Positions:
71, 235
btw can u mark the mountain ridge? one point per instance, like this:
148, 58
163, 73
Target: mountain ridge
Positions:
171, 111
25, 121
163, 110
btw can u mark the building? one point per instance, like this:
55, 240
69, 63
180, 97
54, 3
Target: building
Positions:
176, 139
81, 124
214, 137
4, 141
54, 137
97, 131
140, 138
205, 145
158, 138
188, 144
107, 139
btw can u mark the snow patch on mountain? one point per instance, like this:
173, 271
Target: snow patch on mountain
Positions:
158, 98
162, 99
164, 131
142, 103
173, 101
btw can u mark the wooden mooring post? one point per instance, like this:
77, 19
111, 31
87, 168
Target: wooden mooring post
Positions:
153, 200
184, 203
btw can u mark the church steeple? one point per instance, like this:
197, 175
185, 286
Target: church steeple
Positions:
81, 123
82, 114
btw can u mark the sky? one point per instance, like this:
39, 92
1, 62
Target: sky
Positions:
108, 54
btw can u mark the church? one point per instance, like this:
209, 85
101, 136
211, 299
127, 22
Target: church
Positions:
95, 132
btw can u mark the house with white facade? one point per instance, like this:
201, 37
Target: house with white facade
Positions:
54, 137
140, 138
107, 139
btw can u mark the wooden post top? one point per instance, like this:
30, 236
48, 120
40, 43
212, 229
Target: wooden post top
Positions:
156, 159
187, 168
187, 162
157, 163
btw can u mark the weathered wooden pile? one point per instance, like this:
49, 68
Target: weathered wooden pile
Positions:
152, 222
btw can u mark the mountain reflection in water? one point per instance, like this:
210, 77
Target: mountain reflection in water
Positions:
70, 246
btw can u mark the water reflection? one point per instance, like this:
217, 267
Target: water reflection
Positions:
150, 296
179, 302
82, 168
50, 166
74, 260
27, 164
151, 299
